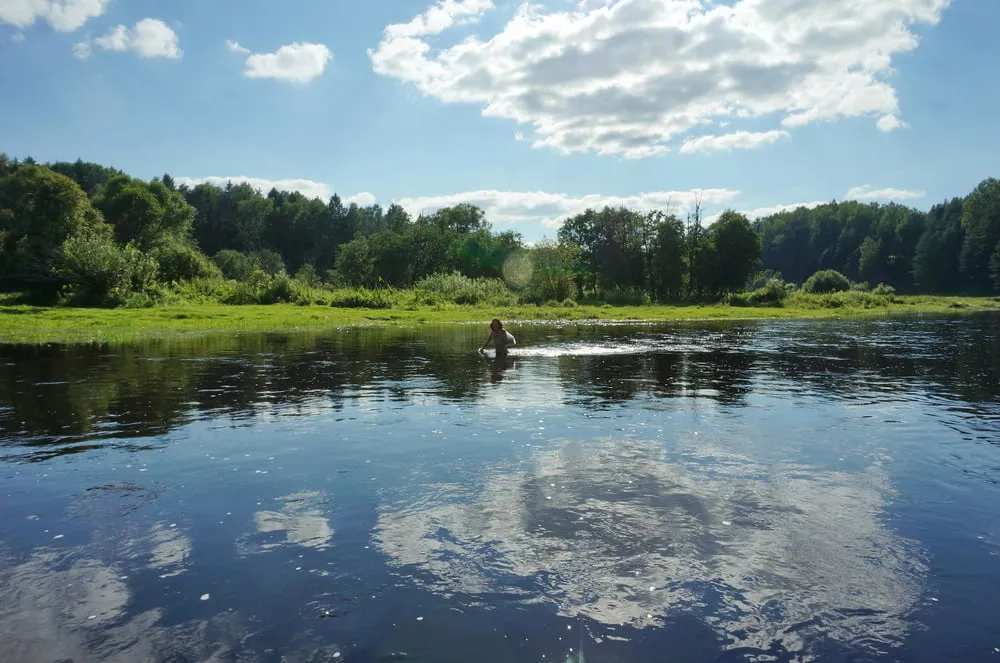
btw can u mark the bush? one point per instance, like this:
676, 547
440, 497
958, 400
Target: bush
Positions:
233, 264
179, 262
826, 281
773, 293
203, 291
308, 276
97, 270
851, 298
269, 262
461, 289
262, 288
380, 298
884, 290
629, 296
761, 279
739, 299
334, 279
864, 286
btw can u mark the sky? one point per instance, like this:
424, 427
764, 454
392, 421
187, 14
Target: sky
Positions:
533, 111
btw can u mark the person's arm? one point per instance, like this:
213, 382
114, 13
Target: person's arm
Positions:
488, 337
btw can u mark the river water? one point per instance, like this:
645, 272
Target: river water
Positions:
737, 491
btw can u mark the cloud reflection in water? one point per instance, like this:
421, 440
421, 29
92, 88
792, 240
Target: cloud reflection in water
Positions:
618, 533
301, 519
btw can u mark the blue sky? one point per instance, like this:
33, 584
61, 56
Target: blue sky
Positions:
532, 111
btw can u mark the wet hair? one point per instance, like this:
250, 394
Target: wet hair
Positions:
498, 323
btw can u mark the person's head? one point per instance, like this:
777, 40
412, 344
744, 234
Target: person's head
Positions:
495, 324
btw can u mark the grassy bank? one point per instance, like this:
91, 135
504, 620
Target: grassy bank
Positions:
39, 325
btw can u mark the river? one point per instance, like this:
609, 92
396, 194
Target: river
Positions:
731, 491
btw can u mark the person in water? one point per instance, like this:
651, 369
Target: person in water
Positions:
501, 337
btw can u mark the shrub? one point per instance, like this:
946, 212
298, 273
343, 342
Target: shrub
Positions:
850, 298
461, 289
308, 276
97, 270
268, 261
262, 288
203, 290
884, 290
761, 279
233, 264
826, 281
864, 286
773, 293
739, 299
380, 298
628, 296
334, 279
180, 262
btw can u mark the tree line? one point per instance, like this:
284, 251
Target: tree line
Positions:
86, 233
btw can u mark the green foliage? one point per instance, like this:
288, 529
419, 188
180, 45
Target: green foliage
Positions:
147, 214
97, 270
668, 256
268, 261
613, 245
201, 291
630, 296
39, 211
995, 266
771, 294
981, 222
262, 288
182, 262
883, 290
936, 260
550, 268
453, 257
90, 177
850, 299
737, 251
308, 276
460, 289
761, 279
379, 298
356, 263
826, 281
233, 264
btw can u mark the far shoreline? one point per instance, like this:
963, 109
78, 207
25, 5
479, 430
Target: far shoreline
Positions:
26, 325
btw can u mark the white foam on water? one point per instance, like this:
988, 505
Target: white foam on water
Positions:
603, 349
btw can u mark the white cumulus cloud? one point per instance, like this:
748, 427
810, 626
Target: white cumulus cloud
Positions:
62, 15
541, 208
761, 212
631, 77
234, 47
551, 209
308, 188
298, 62
739, 140
149, 38
363, 199
867, 192
440, 17
889, 123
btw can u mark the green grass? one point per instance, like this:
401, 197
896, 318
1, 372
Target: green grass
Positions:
25, 324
